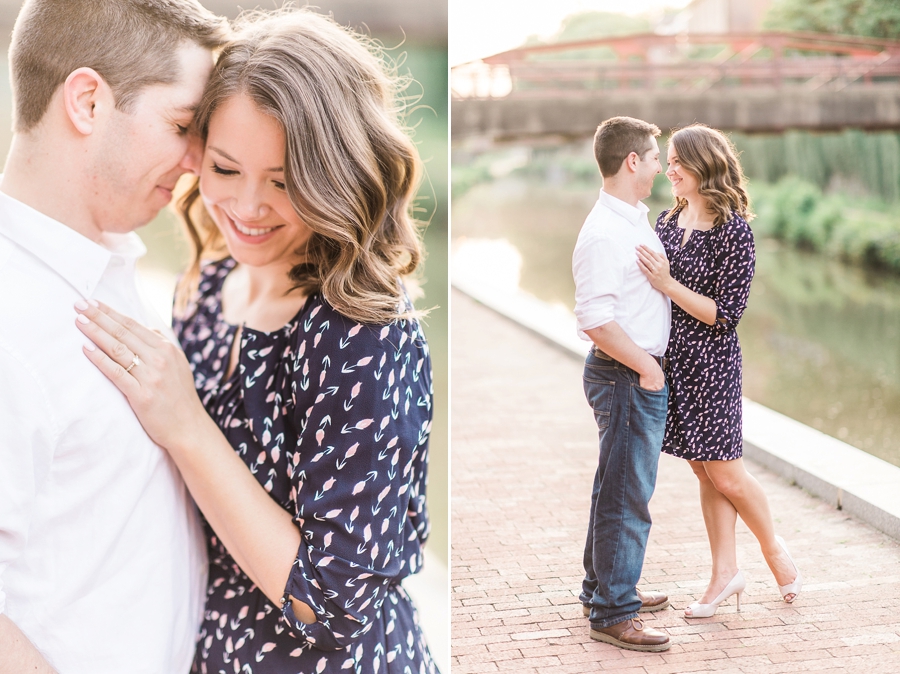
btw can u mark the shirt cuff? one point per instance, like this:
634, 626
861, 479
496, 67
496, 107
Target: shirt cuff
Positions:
597, 316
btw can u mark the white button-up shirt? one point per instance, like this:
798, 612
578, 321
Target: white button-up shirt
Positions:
609, 285
102, 560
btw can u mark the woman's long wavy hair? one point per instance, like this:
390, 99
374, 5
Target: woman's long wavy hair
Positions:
350, 170
709, 156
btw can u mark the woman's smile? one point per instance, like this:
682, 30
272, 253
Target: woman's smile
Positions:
249, 233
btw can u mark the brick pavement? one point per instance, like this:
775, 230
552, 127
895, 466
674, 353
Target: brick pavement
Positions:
523, 458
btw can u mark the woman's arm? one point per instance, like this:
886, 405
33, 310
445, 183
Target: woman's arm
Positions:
656, 268
253, 527
256, 531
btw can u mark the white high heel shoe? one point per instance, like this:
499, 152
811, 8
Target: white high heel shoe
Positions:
791, 588
735, 586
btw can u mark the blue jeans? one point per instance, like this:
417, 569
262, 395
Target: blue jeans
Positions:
631, 421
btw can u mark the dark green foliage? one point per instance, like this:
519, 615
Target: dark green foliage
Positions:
869, 18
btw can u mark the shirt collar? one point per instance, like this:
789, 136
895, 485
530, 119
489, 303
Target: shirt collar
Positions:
637, 216
77, 259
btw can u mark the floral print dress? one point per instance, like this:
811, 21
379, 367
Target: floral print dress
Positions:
704, 372
332, 417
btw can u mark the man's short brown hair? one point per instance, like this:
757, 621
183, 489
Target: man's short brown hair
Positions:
130, 43
617, 138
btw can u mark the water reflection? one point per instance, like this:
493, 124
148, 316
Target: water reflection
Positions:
821, 340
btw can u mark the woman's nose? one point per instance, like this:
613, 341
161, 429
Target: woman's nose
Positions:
247, 205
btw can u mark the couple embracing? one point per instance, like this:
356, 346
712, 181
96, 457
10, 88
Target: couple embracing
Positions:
296, 418
664, 370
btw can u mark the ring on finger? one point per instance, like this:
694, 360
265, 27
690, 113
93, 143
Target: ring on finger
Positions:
135, 361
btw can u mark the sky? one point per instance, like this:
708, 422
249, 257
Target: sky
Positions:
480, 28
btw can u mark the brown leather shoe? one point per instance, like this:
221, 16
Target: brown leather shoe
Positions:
650, 603
632, 634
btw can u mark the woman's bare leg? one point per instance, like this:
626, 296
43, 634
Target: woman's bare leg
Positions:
731, 479
720, 517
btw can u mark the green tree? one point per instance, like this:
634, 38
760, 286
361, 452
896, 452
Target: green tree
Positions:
868, 18
590, 25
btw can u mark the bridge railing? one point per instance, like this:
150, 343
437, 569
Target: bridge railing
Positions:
648, 63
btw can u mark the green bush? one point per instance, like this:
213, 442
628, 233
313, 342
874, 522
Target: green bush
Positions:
465, 177
797, 212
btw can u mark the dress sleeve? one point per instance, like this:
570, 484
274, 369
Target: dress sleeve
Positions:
28, 436
358, 471
660, 221
735, 264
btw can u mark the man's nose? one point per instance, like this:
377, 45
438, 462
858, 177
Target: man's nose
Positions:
193, 156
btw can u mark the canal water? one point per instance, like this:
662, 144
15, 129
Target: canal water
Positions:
821, 340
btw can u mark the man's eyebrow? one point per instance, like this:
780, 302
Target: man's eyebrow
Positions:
276, 169
187, 108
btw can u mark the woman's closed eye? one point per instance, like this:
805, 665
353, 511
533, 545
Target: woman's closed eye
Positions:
223, 171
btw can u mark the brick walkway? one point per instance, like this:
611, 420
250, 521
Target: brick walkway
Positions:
524, 454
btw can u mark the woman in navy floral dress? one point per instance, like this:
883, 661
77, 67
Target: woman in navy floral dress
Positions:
306, 449
706, 272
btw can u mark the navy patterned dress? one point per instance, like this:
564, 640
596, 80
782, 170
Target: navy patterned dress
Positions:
332, 417
704, 373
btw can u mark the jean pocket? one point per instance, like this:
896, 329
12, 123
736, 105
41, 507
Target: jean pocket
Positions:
664, 389
650, 406
599, 394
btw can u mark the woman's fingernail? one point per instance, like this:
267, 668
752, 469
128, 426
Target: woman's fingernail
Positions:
94, 303
89, 346
83, 319
81, 305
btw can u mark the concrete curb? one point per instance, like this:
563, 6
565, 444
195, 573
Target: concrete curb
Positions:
848, 478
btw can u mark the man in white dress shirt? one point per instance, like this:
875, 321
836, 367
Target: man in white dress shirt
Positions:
628, 322
102, 560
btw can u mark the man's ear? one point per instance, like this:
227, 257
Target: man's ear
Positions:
85, 95
631, 162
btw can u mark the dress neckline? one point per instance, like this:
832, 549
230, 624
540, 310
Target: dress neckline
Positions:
682, 242
230, 263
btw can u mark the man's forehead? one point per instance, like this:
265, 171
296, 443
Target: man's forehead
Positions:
171, 99
188, 109
195, 67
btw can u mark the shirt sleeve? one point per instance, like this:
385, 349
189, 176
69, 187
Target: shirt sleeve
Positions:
599, 271
27, 439
735, 265
359, 473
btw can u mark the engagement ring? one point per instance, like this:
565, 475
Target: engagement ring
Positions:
134, 362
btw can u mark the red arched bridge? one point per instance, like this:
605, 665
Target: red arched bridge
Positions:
751, 82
